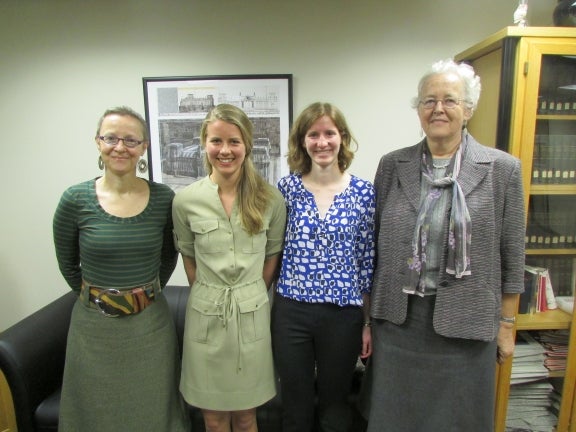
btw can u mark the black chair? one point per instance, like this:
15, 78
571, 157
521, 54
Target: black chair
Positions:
32, 354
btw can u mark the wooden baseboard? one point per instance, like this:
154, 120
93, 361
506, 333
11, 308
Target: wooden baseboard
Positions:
7, 417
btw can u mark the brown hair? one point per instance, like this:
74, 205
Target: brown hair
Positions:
298, 159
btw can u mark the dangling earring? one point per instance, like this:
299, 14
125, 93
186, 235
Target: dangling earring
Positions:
100, 163
142, 166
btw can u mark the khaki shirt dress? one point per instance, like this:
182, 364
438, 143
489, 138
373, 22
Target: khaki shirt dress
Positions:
227, 355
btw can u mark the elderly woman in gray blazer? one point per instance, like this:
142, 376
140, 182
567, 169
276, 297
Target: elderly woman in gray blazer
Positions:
450, 265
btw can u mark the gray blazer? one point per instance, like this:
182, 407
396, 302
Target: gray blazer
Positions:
468, 307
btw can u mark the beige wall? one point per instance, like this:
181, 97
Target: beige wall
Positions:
64, 61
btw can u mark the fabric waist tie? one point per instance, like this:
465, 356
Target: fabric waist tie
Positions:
224, 304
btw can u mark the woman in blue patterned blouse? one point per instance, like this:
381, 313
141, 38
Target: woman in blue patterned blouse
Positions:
320, 317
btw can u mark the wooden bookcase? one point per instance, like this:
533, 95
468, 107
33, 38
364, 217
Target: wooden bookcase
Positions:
526, 72
7, 417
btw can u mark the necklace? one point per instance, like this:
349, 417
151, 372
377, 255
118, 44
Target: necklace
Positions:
440, 166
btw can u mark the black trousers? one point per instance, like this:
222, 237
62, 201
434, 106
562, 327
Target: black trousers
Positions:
316, 347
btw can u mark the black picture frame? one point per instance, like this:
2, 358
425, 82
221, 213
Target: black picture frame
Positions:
176, 106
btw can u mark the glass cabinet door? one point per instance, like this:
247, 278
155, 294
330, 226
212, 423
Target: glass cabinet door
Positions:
551, 222
555, 135
551, 212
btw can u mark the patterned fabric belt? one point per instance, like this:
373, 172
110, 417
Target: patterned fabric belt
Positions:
118, 302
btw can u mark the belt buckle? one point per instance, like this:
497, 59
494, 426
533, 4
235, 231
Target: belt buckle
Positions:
101, 303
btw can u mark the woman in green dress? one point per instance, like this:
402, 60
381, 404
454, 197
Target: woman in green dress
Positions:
229, 228
114, 246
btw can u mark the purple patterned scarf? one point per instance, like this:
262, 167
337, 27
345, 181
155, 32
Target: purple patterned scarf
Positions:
459, 230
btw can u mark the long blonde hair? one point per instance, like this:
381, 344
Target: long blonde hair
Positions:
253, 193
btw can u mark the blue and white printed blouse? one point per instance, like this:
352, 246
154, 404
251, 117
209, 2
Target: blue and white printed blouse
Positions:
330, 259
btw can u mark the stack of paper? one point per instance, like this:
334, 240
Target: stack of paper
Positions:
529, 408
529, 403
556, 344
528, 361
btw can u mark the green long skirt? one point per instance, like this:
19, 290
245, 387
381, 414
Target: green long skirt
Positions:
121, 374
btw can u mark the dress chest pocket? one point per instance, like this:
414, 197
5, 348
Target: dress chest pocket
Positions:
209, 236
257, 242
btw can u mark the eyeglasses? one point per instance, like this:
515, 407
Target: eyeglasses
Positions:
112, 140
449, 103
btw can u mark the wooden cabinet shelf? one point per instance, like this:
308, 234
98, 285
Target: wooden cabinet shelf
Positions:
528, 108
549, 320
560, 117
550, 251
552, 189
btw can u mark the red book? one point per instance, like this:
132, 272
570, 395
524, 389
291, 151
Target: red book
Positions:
542, 303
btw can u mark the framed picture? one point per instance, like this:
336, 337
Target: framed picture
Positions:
176, 107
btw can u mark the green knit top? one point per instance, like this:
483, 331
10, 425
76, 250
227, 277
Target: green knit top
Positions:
111, 251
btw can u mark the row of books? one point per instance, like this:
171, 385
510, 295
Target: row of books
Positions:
551, 221
557, 76
538, 295
551, 229
556, 105
560, 269
554, 159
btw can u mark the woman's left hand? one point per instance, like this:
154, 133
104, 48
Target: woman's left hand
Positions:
506, 343
366, 342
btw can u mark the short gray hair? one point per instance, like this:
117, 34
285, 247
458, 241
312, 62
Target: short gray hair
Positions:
471, 81
125, 111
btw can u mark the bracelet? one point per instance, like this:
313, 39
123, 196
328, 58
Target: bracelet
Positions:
368, 324
510, 320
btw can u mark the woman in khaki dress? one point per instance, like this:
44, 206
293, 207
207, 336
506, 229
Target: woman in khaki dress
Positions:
229, 229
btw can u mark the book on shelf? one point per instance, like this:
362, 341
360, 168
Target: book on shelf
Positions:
538, 295
526, 304
561, 269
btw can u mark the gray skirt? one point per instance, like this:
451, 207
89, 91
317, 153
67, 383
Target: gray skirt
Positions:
419, 381
121, 374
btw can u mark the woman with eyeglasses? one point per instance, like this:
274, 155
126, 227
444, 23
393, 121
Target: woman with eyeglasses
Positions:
449, 268
114, 246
